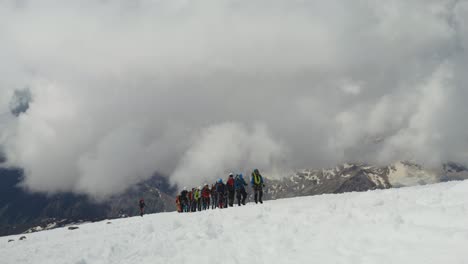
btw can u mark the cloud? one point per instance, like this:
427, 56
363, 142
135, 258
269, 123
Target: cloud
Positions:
225, 148
196, 89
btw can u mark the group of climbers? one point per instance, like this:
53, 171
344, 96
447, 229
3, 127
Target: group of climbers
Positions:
220, 194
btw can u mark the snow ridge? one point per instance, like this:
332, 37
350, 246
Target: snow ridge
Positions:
425, 224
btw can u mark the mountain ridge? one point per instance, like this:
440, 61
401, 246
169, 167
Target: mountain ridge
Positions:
21, 211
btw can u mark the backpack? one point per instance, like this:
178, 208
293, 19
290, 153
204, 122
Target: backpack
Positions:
220, 188
257, 178
239, 183
230, 184
183, 195
206, 192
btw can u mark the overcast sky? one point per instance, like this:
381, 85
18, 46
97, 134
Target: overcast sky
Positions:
197, 89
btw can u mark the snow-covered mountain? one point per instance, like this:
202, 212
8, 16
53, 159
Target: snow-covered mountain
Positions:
361, 177
20, 211
417, 225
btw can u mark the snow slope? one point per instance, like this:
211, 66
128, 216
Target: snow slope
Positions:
426, 224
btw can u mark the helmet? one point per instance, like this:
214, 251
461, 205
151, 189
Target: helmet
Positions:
256, 171
241, 176
231, 174
185, 188
199, 187
220, 180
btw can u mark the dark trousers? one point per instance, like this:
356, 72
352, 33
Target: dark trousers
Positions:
221, 202
214, 200
206, 203
241, 196
193, 206
258, 193
231, 198
185, 206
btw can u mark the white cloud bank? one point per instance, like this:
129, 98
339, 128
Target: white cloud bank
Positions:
196, 89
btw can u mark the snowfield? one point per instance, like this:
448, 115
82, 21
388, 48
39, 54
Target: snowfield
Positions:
427, 224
